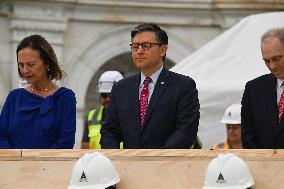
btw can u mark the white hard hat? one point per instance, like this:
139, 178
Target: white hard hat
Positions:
93, 171
232, 114
107, 80
227, 171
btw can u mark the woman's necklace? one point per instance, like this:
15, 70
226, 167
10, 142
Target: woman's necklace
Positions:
38, 91
44, 92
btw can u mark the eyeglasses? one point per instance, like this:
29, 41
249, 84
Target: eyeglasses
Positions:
105, 95
145, 46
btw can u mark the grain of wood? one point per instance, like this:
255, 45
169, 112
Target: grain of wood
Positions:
138, 169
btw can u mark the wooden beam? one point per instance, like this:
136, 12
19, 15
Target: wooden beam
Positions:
138, 169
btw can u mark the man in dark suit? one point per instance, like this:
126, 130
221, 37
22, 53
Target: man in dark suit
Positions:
263, 98
156, 108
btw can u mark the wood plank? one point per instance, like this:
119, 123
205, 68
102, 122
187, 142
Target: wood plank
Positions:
149, 153
181, 174
138, 169
35, 174
10, 154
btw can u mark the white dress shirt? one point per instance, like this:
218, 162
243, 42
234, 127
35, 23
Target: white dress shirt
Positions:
154, 78
279, 89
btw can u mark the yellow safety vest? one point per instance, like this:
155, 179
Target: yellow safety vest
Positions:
95, 125
197, 144
223, 146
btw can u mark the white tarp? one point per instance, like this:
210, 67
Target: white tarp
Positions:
223, 66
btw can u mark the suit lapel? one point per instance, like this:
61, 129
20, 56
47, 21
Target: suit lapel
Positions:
160, 86
271, 102
280, 126
277, 127
135, 98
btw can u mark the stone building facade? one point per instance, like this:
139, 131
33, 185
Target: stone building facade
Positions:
92, 36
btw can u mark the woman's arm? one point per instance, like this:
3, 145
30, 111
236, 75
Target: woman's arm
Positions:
4, 123
68, 123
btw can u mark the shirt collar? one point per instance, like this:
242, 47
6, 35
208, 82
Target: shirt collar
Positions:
154, 77
279, 83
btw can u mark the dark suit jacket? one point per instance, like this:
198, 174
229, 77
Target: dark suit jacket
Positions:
260, 128
171, 121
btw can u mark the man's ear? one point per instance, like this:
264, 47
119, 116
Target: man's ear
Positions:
163, 50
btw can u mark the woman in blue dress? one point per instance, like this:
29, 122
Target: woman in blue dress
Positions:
42, 115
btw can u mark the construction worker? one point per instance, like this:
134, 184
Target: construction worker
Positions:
232, 119
92, 136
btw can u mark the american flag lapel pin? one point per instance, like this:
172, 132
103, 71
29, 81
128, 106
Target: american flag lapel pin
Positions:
162, 83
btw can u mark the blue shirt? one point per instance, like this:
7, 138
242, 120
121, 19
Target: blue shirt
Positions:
31, 121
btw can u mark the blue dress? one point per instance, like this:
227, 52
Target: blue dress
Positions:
29, 121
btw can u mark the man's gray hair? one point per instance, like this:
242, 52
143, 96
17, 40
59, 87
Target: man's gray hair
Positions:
275, 32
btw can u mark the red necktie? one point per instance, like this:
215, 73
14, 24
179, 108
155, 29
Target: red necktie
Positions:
144, 99
281, 107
